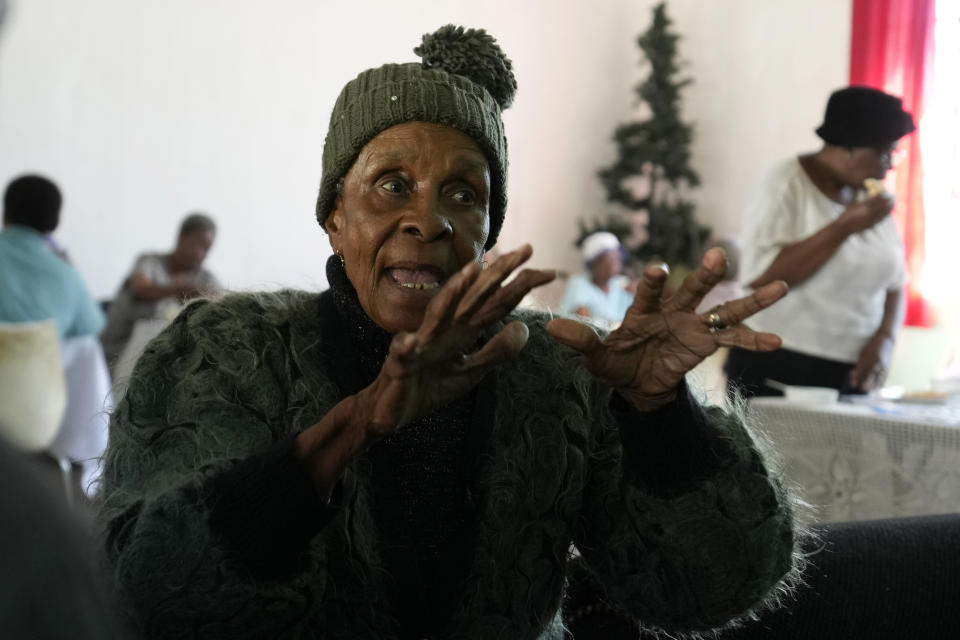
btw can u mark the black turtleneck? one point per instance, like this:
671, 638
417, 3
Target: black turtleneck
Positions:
423, 478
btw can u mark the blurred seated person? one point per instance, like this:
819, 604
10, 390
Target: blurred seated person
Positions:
160, 283
35, 283
601, 293
821, 223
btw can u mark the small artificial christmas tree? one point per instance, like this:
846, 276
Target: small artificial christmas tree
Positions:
653, 162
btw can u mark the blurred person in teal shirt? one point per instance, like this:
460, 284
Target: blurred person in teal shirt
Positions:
36, 283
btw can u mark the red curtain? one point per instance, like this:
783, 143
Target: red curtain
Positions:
892, 50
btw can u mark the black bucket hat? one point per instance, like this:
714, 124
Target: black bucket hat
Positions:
864, 117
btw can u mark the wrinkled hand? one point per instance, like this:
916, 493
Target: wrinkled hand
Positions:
861, 216
434, 364
659, 341
871, 368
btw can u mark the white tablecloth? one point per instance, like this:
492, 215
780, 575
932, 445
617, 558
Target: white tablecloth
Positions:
872, 460
82, 437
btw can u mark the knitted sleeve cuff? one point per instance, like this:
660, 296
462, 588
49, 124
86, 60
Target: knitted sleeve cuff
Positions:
266, 511
669, 451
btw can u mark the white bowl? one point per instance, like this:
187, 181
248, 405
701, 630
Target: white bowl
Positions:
811, 395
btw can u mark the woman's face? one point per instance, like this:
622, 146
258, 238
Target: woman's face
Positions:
192, 249
606, 266
413, 210
870, 162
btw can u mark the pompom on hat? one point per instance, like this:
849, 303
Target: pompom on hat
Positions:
463, 81
864, 117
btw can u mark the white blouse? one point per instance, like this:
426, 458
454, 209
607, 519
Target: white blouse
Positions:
835, 311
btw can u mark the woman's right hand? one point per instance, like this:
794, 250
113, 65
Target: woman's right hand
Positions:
863, 215
427, 368
437, 363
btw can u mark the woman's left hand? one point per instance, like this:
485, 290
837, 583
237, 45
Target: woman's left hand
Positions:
659, 341
870, 370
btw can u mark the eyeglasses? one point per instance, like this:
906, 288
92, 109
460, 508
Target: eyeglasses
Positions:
890, 153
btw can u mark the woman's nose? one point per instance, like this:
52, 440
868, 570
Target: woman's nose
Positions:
425, 220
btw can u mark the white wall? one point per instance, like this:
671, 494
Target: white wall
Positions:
143, 111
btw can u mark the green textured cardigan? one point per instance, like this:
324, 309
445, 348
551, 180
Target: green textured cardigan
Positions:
231, 378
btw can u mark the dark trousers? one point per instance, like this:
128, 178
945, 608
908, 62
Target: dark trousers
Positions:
747, 371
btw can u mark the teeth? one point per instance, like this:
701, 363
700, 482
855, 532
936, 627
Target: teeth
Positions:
421, 286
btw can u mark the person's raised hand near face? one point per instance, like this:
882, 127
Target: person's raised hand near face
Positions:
441, 360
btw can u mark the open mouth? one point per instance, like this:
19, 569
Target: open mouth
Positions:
419, 277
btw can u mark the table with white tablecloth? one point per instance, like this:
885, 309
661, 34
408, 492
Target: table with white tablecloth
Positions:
55, 399
871, 459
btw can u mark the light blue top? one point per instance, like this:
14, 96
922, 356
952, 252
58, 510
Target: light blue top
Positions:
36, 284
609, 306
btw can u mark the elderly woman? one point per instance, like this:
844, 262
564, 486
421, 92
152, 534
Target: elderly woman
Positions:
601, 293
821, 222
406, 456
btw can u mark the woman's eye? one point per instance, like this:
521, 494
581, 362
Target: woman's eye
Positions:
392, 186
465, 196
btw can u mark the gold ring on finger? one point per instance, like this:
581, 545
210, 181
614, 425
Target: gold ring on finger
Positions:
714, 323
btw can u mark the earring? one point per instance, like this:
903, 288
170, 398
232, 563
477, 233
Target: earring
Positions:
343, 263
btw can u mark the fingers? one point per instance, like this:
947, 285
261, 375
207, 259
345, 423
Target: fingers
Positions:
489, 281
650, 288
736, 311
746, 338
402, 355
699, 282
732, 314
856, 375
872, 210
404, 346
881, 204
468, 288
471, 299
878, 375
866, 377
508, 343
441, 308
575, 335
504, 300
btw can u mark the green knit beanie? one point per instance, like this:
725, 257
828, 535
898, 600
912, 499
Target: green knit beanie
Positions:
464, 81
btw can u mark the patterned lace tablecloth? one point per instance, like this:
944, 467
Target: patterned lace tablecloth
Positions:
872, 459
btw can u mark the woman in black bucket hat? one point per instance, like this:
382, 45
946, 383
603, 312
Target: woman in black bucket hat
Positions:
821, 222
